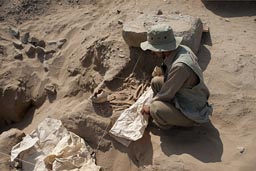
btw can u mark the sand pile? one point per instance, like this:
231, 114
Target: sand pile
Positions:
55, 54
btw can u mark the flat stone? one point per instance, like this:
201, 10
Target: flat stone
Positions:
191, 28
34, 41
41, 43
25, 38
61, 42
17, 55
17, 44
30, 51
14, 32
40, 50
40, 53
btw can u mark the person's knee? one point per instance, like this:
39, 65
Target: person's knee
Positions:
166, 117
156, 84
157, 80
155, 110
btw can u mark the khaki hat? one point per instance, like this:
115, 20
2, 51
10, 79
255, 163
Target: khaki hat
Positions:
160, 38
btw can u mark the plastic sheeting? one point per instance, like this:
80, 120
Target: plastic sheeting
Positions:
131, 124
52, 147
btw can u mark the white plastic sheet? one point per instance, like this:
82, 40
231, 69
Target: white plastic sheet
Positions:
52, 147
131, 124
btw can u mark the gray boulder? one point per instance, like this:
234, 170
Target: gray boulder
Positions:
191, 28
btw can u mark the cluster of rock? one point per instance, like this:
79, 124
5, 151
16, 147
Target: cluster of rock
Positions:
22, 88
32, 47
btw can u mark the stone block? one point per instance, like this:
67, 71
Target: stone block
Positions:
191, 28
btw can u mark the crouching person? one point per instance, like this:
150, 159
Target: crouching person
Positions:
180, 94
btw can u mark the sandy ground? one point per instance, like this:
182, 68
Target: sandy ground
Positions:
225, 144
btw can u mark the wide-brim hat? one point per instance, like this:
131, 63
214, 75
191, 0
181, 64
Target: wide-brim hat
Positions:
160, 38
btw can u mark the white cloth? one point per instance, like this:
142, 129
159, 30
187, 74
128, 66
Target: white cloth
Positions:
131, 124
52, 147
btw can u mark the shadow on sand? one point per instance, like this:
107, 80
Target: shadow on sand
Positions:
201, 142
232, 8
23, 123
140, 152
204, 57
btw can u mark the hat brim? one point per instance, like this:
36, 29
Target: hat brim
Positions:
162, 47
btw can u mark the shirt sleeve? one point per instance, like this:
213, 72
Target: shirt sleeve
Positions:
177, 76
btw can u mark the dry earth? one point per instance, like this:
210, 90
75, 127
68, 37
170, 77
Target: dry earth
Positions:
83, 44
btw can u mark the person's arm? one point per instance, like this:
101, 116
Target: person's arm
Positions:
177, 76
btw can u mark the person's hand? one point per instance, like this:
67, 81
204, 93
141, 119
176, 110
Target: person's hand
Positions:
157, 72
145, 110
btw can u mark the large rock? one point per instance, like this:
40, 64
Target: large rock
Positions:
14, 102
19, 94
88, 124
191, 28
7, 140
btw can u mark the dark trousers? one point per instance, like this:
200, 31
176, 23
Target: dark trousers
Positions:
165, 114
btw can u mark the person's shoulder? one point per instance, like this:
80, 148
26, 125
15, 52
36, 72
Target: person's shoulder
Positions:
180, 66
181, 69
185, 47
186, 52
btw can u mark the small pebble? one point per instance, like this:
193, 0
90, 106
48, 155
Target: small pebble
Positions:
25, 38
120, 22
121, 56
30, 51
46, 66
17, 44
14, 32
241, 149
159, 12
177, 12
227, 20
61, 42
